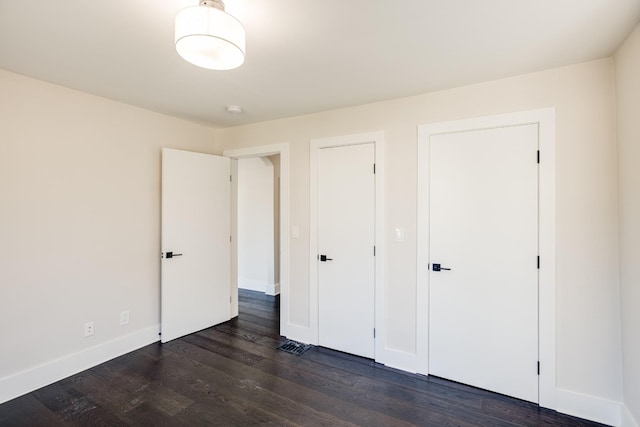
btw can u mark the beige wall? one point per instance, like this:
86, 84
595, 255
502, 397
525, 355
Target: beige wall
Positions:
588, 326
627, 63
79, 217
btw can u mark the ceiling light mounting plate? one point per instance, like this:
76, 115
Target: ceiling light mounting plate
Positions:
218, 4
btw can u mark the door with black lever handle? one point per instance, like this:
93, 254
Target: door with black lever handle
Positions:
438, 267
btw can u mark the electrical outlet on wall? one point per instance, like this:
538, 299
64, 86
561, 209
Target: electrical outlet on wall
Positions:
124, 317
89, 329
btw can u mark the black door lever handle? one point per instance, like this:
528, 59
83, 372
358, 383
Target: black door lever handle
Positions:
171, 255
324, 258
437, 267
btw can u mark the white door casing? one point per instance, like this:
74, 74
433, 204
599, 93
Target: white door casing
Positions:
195, 284
483, 302
545, 120
346, 240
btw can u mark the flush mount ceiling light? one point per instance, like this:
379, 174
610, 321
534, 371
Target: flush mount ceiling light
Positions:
209, 37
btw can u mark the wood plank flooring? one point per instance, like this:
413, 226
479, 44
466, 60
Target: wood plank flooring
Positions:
233, 375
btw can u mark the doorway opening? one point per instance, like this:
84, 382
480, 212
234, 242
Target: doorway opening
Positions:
258, 243
260, 264
259, 224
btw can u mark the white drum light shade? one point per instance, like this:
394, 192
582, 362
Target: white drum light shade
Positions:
210, 38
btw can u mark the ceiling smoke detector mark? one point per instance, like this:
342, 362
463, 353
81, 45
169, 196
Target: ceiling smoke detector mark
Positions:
234, 109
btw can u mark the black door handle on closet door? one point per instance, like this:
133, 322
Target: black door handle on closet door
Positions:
171, 255
438, 267
324, 258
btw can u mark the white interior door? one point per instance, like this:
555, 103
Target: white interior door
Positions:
346, 270
483, 312
195, 242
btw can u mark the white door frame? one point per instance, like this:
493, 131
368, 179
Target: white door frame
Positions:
286, 328
545, 118
377, 138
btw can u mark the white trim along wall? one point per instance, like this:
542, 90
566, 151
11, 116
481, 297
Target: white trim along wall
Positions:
47, 373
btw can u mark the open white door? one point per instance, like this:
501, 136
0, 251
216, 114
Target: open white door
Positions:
195, 242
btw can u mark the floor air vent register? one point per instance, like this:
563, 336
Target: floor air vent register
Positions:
294, 347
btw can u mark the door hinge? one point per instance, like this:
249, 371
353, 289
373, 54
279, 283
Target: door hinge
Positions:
230, 178
538, 367
230, 239
374, 332
538, 262
374, 251
538, 156
374, 168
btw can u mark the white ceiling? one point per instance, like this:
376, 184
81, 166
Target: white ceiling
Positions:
303, 56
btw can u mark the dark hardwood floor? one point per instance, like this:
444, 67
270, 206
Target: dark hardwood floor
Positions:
232, 375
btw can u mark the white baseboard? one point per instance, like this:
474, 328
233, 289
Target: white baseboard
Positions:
627, 419
272, 289
252, 285
568, 402
34, 378
259, 286
589, 407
